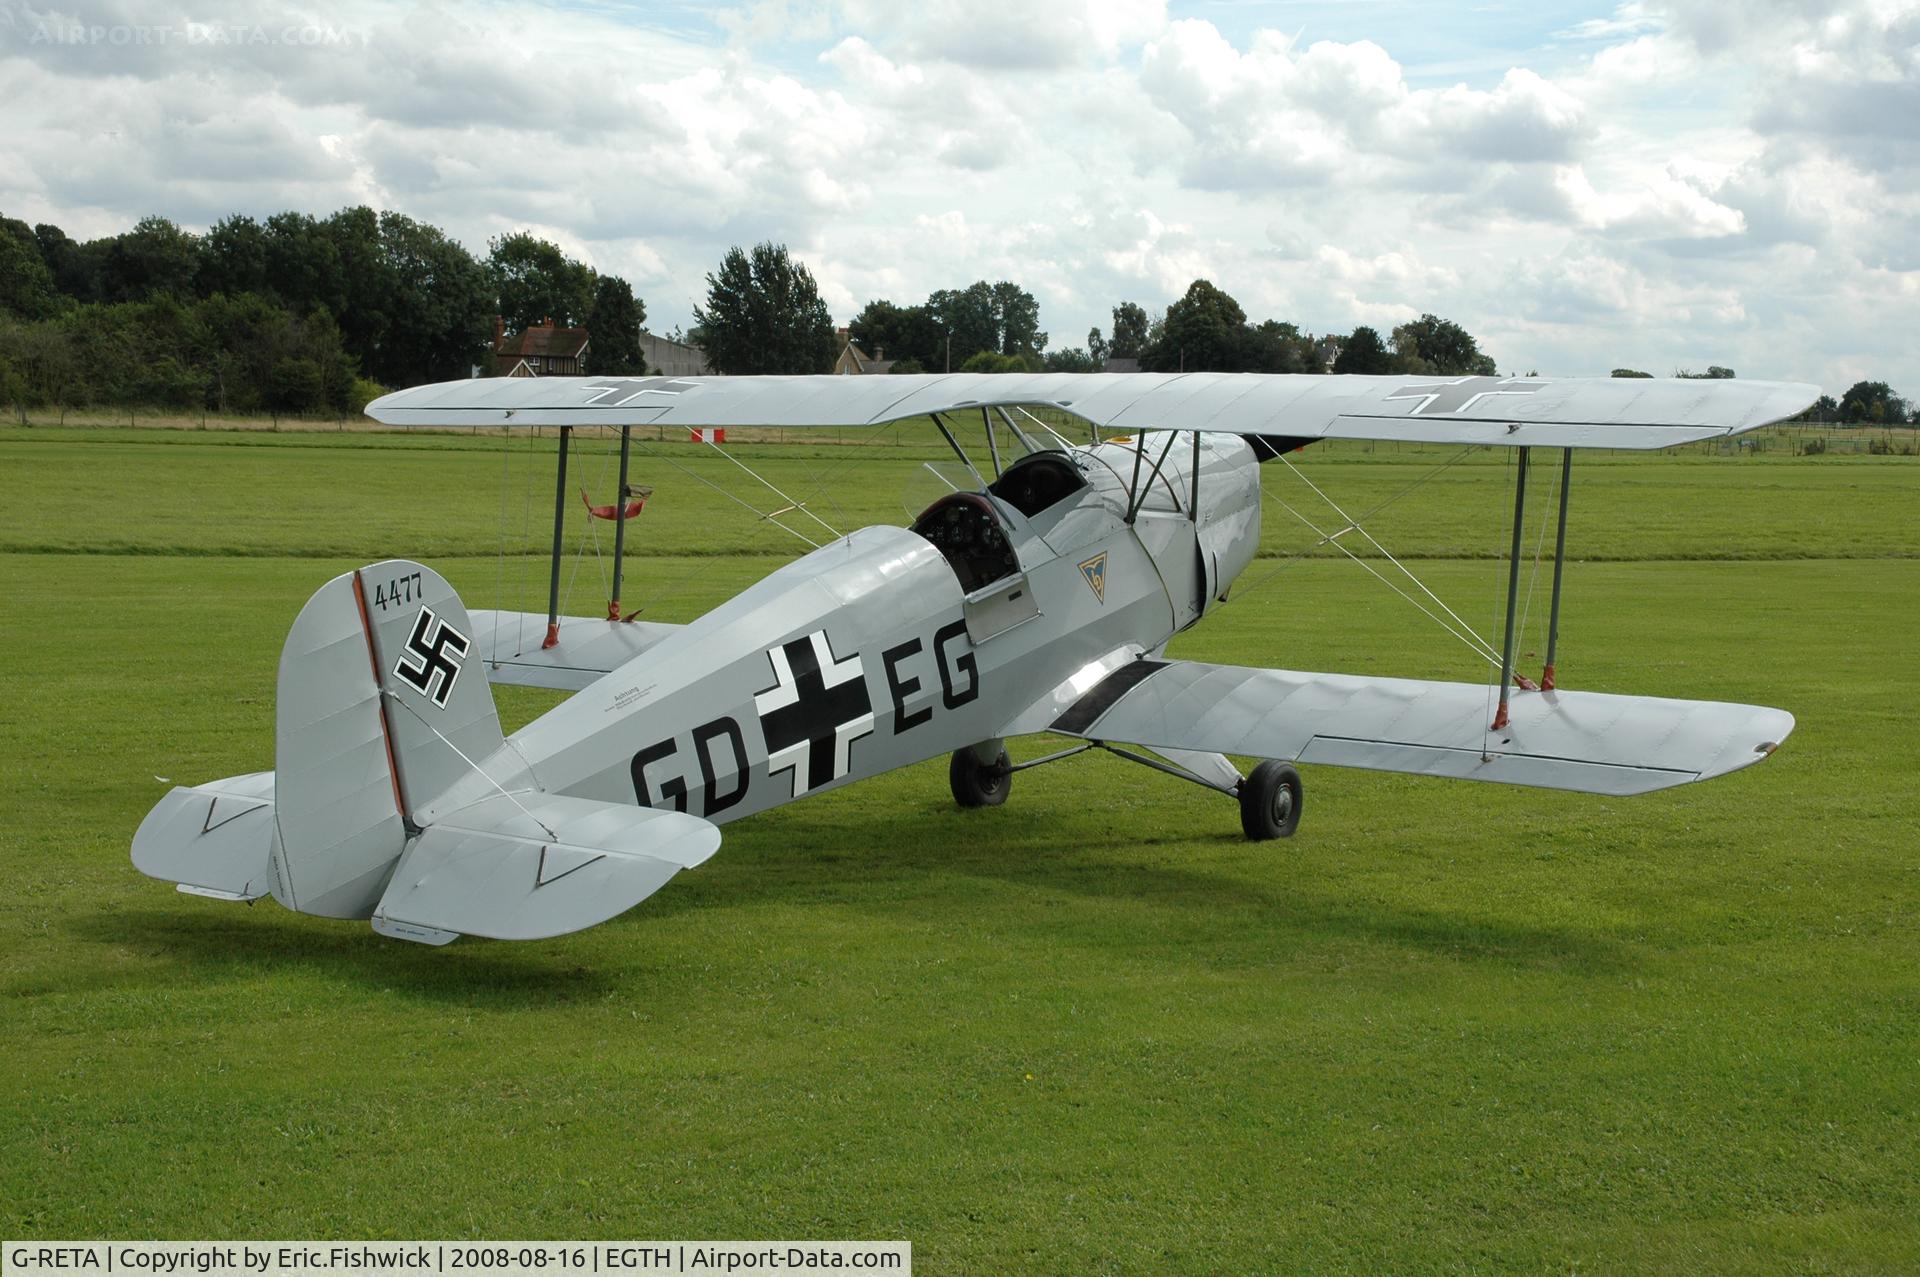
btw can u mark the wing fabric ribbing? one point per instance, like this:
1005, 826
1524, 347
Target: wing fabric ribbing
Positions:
1593, 742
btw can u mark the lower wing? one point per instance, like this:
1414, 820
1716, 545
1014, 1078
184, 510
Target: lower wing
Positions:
1588, 741
584, 648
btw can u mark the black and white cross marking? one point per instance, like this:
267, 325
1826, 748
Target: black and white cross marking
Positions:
817, 707
624, 390
438, 648
1460, 394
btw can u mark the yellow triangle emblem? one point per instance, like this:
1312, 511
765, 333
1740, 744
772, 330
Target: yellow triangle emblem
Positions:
1095, 570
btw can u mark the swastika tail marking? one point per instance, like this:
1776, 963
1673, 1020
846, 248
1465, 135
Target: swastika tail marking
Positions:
430, 662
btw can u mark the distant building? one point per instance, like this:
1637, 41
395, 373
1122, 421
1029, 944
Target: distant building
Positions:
673, 358
853, 361
543, 350
1328, 349
1121, 365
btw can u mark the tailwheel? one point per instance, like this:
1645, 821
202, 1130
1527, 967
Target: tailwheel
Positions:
1270, 801
978, 784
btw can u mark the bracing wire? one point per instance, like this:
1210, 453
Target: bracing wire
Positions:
744, 504
1473, 641
1354, 525
1242, 591
775, 490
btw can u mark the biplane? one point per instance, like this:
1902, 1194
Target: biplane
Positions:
1037, 597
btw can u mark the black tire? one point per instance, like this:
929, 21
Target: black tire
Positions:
978, 784
1270, 801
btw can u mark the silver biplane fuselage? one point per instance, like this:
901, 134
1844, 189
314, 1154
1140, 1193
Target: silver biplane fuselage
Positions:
875, 651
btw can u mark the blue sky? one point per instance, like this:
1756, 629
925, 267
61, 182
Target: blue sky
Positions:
1660, 184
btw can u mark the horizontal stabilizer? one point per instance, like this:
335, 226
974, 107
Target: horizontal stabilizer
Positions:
536, 865
213, 840
1587, 741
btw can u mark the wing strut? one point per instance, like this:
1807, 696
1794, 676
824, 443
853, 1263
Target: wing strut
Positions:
559, 534
1513, 586
620, 497
1559, 561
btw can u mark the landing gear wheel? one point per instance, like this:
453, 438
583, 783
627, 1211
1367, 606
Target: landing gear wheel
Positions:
978, 784
1270, 801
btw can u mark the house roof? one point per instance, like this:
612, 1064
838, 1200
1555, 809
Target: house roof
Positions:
1121, 365
545, 340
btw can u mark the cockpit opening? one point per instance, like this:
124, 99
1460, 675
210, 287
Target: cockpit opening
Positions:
1038, 481
967, 532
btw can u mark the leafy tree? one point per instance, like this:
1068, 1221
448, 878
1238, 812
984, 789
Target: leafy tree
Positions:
439, 325
1872, 401
1017, 316
906, 367
368, 281
233, 257
156, 256
1129, 332
968, 320
883, 329
303, 261
1073, 359
1630, 372
534, 281
1097, 346
1202, 332
613, 329
75, 271
1714, 372
994, 361
764, 315
1364, 352
1275, 346
26, 285
1434, 347
1825, 408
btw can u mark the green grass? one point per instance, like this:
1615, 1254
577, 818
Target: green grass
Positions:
1448, 1027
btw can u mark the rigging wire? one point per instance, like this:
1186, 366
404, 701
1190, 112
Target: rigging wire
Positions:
770, 518
1416, 485
776, 491
1354, 525
1473, 641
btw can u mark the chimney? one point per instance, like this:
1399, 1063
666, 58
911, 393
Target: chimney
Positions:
879, 353
499, 333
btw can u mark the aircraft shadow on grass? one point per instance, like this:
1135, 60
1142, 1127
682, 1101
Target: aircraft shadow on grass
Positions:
794, 863
207, 946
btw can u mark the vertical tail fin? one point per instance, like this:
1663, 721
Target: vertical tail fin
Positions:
377, 715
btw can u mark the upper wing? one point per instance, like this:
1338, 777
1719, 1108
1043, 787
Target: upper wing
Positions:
1527, 411
1588, 741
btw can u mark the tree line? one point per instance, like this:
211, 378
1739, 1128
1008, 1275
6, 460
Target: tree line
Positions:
295, 313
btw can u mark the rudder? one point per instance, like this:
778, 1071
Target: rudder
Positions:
377, 715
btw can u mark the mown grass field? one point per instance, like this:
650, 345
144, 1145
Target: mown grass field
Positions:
1447, 1028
